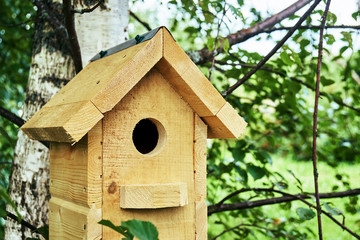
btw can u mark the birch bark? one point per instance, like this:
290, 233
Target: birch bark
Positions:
51, 68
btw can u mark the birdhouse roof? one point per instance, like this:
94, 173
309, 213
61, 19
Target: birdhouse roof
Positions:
78, 106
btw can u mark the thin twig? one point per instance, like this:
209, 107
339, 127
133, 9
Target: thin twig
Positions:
216, 41
315, 134
22, 222
11, 117
356, 27
16, 120
341, 103
88, 10
70, 27
221, 207
273, 51
204, 55
146, 25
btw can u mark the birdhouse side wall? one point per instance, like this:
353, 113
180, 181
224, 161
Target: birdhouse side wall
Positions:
152, 98
76, 187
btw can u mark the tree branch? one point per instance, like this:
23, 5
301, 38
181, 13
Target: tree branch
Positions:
11, 117
217, 40
315, 134
16, 120
357, 27
273, 51
286, 198
341, 103
22, 222
204, 55
146, 25
221, 207
70, 27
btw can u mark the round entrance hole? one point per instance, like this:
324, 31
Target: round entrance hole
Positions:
149, 136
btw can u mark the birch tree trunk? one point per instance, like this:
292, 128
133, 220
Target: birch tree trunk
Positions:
51, 68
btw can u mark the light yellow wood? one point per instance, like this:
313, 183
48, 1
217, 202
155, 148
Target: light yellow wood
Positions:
188, 80
130, 75
201, 220
103, 83
63, 123
124, 165
152, 196
94, 166
96, 76
68, 171
226, 124
200, 133
76, 175
69, 221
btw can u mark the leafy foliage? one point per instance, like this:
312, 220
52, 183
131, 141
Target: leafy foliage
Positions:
276, 103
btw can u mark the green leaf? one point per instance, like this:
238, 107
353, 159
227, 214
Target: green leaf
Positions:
243, 174
305, 213
238, 154
330, 39
256, 172
326, 82
285, 58
356, 15
226, 45
210, 43
119, 229
347, 37
141, 229
332, 211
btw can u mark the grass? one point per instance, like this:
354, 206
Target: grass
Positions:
304, 171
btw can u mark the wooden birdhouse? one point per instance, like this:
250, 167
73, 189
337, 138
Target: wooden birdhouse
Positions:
128, 141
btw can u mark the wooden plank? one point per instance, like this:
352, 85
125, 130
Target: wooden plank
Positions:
226, 124
201, 220
200, 136
124, 165
200, 133
188, 80
94, 166
68, 171
71, 221
152, 196
63, 123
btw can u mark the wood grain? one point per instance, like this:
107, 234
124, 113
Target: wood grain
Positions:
188, 80
124, 165
200, 133
63, 123
71, 221
152, 196
226, 124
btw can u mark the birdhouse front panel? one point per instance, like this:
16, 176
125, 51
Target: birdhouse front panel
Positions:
148, 157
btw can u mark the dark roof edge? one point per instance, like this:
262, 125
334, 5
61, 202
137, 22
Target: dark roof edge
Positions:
138, 39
